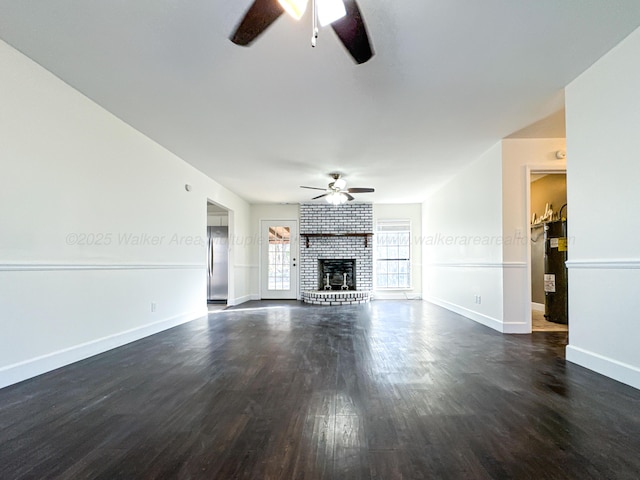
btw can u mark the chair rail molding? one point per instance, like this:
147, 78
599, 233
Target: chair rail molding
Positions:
26, 267
605, 264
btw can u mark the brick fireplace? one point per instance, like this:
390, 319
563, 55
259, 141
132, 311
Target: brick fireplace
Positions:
336, 239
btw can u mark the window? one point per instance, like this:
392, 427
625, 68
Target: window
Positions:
279, 255
393, 254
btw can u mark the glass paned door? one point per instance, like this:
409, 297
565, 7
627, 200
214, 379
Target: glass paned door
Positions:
279, 254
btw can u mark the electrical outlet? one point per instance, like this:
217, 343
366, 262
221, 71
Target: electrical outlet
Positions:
154, 305
479, 299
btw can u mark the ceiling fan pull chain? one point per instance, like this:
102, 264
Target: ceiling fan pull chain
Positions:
314, 23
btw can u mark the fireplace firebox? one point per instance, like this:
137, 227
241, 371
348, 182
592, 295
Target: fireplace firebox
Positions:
337, 274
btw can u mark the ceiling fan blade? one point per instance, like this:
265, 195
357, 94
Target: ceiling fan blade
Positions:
260, 15
353, 33
349, 197
361, 190
320, 196
312, 188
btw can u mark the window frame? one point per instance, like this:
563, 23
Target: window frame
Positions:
390, 222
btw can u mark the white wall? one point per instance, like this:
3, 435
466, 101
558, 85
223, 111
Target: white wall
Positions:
518, 155
603, 149
462, 242
483, 213
413, 213
96, 224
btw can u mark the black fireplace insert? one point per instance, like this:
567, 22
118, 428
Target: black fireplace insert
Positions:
337, 274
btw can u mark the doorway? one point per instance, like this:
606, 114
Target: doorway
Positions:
548, 211
217, 257
279, 249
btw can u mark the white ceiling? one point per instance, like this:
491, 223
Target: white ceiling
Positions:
449, 79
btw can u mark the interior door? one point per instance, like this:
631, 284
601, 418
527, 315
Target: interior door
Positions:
279, 255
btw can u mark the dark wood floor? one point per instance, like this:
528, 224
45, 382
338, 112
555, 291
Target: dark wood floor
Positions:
286, 391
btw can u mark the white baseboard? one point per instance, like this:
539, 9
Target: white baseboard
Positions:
239, 300
470, 314
622, 372
537, 307
37, 366
390, 295
516, 327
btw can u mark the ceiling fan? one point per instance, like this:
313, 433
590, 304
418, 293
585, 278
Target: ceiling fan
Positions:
343, 15
335, 193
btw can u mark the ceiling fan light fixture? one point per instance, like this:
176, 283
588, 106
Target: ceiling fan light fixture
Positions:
336, 198
339, 184
295, 8
330, 10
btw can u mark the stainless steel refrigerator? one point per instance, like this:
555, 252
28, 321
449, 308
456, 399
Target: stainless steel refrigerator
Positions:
217, 264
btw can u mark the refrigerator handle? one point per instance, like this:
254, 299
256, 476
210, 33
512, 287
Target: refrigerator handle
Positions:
209, 255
